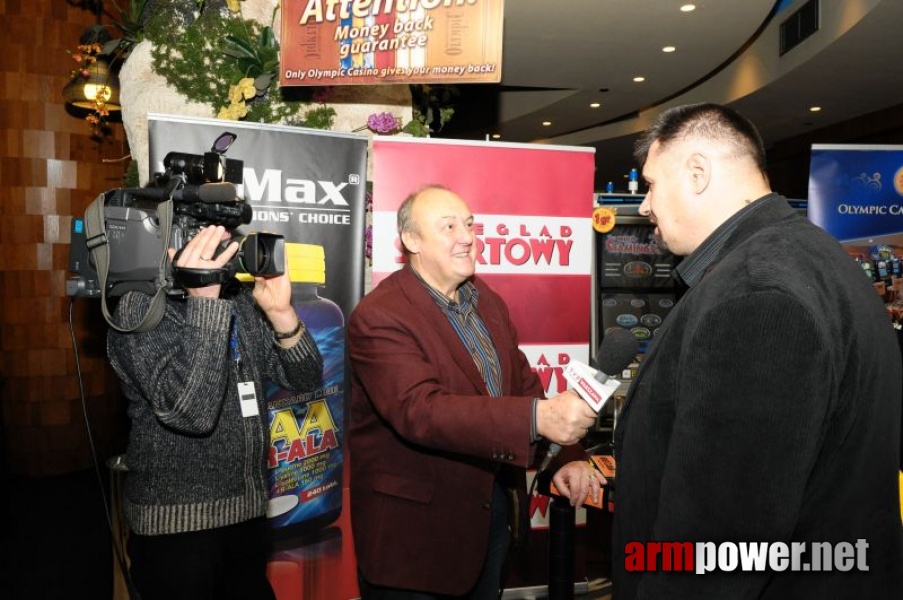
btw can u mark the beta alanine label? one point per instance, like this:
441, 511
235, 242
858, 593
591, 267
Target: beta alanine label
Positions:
305, 455
356, 42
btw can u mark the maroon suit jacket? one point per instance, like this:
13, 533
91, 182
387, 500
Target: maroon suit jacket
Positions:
427, 439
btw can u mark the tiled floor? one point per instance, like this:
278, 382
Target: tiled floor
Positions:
54, 539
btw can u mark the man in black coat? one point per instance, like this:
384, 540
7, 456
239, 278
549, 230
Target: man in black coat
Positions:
767, 409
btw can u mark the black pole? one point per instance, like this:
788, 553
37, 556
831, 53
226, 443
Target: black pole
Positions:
561, 549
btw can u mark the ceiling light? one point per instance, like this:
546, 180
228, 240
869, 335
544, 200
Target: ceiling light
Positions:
496, 136
669, 49
639, 79
546, 123
688, 8
595, 105
814, 108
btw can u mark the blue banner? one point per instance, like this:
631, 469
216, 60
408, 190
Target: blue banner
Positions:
856, 192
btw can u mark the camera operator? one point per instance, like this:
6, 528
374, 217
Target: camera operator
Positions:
196, 490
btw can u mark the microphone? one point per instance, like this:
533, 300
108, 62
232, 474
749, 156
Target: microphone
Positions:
210, 193
615, 353
207, 193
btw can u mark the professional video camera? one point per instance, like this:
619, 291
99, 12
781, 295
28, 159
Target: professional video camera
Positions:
121, 244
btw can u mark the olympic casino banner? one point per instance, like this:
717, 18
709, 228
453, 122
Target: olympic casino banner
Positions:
357, 42
309, 186
532, 205
856, 194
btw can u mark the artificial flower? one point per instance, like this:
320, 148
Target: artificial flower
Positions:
243, 90
233, 112
383, 123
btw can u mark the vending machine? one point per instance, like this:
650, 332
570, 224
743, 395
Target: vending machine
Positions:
633, 283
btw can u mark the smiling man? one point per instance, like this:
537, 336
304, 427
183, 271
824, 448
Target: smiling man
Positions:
445, 415
767, 409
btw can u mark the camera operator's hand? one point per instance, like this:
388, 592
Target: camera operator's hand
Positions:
201, 253
274, 296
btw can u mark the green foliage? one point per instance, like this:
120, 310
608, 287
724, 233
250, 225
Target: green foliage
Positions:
319, 117
130, 28
255, 60
417, 126
132, 178
202, 59
202, 51
431, 108
191, 63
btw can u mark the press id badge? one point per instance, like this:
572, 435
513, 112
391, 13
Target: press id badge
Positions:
247, 396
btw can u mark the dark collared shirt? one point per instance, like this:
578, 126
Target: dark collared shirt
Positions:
693, 267
469, 326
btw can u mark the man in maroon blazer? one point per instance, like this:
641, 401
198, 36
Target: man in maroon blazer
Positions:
445, 413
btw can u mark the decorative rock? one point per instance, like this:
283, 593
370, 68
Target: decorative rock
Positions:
143, 91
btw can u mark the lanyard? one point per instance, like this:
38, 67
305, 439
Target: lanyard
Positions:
233, 340
247, 391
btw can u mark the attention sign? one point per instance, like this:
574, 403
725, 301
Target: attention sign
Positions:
358, 42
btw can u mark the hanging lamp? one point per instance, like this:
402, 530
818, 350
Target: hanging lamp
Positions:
95, 86
99, 89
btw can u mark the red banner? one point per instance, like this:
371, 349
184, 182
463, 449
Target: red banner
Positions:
533, 207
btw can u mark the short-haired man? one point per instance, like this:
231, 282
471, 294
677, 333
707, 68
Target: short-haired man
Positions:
767, 409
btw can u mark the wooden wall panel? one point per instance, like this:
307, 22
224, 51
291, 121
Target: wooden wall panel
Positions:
50, 170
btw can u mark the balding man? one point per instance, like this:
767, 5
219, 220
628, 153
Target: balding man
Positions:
445, 412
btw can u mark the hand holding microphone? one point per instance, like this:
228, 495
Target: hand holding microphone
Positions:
616, 352
564, 419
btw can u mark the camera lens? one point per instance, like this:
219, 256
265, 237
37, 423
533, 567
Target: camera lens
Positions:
255, 257
260, 254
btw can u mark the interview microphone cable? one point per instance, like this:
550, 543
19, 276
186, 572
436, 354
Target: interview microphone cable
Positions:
614, 354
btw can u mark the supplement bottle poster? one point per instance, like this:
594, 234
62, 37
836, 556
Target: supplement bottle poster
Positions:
309, 186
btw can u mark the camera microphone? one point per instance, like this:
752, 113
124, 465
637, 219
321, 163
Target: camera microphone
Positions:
210, 193
206, 193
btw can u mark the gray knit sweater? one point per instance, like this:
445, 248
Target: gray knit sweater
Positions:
194, 462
